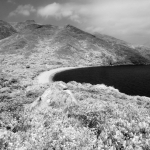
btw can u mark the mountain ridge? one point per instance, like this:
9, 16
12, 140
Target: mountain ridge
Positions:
72, 45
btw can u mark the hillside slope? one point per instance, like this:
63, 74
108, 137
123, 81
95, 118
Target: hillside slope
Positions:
71, 45
6, 30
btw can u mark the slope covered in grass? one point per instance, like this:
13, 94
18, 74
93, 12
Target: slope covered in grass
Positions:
71, 44
102, 118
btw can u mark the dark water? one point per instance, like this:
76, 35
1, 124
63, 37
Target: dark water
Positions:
132, 80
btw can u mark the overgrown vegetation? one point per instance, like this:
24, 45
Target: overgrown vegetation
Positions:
103, 118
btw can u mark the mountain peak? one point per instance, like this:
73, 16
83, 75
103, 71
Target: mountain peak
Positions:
70, 27
74, 29
21, 25
30, 21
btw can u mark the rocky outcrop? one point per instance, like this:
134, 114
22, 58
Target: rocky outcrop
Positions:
57, 96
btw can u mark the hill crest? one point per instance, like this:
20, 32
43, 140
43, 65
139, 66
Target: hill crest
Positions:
71, 45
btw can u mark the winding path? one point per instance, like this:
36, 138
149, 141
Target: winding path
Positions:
47, 76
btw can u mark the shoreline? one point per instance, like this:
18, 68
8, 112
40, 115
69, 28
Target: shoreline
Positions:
47, 76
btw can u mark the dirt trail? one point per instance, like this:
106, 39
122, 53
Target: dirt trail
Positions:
47, 76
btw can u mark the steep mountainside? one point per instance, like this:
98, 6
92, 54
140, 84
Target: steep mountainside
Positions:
145, 51
111, 39
6, 30
71, 45
121, 45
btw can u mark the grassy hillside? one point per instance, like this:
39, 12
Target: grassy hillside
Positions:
70, 44
92, 117
98, 117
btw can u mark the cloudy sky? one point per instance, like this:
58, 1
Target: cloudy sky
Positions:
128, 20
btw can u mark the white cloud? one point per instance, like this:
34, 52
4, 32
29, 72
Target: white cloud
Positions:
49, 10
125, 19
116, 15
11, 1
24, 10
103, 15
59, 11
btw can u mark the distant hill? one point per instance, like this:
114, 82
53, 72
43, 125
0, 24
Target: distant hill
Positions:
21, 25
111, 39
6, 30
71, 45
